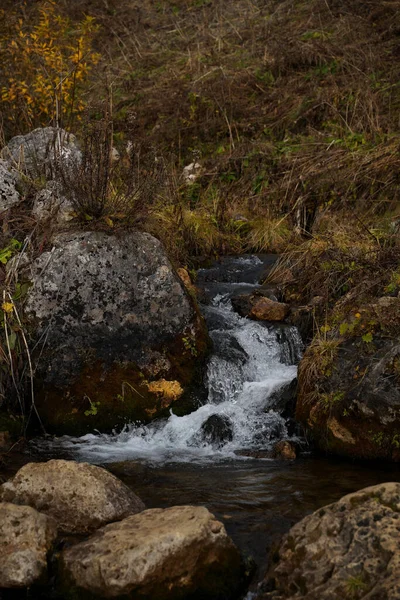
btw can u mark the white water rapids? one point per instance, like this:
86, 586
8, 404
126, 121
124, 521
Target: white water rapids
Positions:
251, 362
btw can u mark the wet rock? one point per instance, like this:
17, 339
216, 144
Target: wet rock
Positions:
26, 537
284, 449
352, 406
79, 496
260, 307
160, 554
283, 400
9, 195
227, 347
50, 203
39, 151
108, 306
242, 304
217, 430
349, 549
265, 309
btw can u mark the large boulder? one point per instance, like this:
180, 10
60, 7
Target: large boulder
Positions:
9, 195
111, 318
160, 554
26, 538
349, 385
349, 549
80, 497
39, 151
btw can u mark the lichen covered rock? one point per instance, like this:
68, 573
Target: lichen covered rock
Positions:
80, 497
160, 554
26, 537
349, 385
9, 195
349, 549
116, 320
37, 152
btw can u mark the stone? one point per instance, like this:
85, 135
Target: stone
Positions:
160, 554
113, 313
353, 408
26, 538
41, 150
192, 172
265, 309
217, 430
79, 496
284, 449
349, 549
261, 305
51, 204
9, 195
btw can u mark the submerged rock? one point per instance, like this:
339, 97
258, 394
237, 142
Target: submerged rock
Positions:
284, 449
217, 430
80, 497
160, 554
114, 319
26, 537
349, 549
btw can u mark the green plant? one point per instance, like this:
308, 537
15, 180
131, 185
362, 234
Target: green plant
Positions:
328, 401
356, 586
189, 343
93, 410
6, 253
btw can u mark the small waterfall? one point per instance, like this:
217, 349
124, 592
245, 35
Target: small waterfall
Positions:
250, 364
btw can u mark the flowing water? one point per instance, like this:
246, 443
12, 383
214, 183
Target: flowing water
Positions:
205, 457
250, 365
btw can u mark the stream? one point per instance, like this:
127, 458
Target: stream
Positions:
207, 457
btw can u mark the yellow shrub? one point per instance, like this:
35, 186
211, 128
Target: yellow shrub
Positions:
44, 66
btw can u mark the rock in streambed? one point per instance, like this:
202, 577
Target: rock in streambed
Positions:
79, 496
159, 554
349, 549
26, 538
111, 319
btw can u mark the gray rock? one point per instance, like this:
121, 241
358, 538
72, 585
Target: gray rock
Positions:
363, 390
37, 152
9, 195
160, 554
26, 537
104, 297
349, 549
80, 497
50, 203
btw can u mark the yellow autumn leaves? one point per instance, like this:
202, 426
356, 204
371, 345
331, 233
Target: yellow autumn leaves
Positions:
44, 65
7, 307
